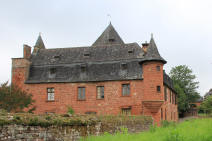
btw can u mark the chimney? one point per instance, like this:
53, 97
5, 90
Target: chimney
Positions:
27, 52
145, 46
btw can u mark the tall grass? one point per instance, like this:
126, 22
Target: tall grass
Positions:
192, 130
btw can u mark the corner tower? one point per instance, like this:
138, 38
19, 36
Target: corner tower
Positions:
153, 81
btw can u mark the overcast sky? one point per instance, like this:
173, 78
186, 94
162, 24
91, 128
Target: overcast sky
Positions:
182, 28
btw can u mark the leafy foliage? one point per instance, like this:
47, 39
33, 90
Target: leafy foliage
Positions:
13, 99
70, 110
206, 106
185, 86
190, 130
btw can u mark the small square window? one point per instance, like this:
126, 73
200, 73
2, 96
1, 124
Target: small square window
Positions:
86, 54
111, 40
158, 88
130, 51
81, 93
158, 68
126, 111
83, 68
100, 92
124, 66
50, 94
125, 89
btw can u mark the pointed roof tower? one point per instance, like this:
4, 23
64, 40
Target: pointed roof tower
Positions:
108, 37
39, 43
152, 52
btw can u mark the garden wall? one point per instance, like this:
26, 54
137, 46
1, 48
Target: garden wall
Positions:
56, 128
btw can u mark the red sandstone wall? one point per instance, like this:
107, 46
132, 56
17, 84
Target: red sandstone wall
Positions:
66, 93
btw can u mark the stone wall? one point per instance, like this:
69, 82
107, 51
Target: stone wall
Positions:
14, 132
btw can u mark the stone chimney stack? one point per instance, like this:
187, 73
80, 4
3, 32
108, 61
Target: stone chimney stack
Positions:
27, 52
145, 46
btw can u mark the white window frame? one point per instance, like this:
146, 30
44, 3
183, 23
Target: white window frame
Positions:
50, 94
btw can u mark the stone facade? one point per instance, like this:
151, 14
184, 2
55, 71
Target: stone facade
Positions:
146, 97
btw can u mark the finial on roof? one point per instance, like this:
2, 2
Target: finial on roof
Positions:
151, 35
109, 17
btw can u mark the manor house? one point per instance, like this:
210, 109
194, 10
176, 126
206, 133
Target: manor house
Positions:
109, 77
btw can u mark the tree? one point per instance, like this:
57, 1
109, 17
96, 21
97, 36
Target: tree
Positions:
185, 86
13, 99
206, 105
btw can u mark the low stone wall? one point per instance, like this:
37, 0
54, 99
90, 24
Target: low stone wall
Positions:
59, 128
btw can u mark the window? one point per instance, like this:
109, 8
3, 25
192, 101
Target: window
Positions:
86, 54
52, 73
90, 113
83, 67
50, 94
165, 93
165, 115
158, 68
125, 89
81, 93
124, 66
57, 57
158, 89
130, 51
170, 96
175, 99
161, 114
126, 111
111, 40
100, 92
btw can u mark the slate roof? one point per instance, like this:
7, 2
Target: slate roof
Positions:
39, 43
168, 81
152, 52
109, 58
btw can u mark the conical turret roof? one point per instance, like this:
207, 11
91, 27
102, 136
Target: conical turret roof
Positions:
39, 43
108, 37
152, 52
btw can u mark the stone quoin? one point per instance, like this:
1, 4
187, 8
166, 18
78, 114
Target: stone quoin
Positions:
109, 77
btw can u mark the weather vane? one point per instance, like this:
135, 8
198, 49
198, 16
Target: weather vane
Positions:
109, 17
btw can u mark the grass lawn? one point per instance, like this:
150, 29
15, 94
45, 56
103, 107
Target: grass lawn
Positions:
191, 130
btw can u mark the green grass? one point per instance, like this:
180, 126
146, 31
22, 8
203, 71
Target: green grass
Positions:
191, 130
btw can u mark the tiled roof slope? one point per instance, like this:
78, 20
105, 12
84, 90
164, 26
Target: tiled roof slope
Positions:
168, 81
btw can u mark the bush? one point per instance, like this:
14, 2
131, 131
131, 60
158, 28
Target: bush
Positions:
70, 111
13, 99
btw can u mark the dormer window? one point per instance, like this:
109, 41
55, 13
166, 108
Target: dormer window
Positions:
86, 54
57, 57
83, 68
111, 40
130, 51
52, 72
124, 66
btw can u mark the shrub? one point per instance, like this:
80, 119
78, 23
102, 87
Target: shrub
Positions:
13, 99
70, 110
